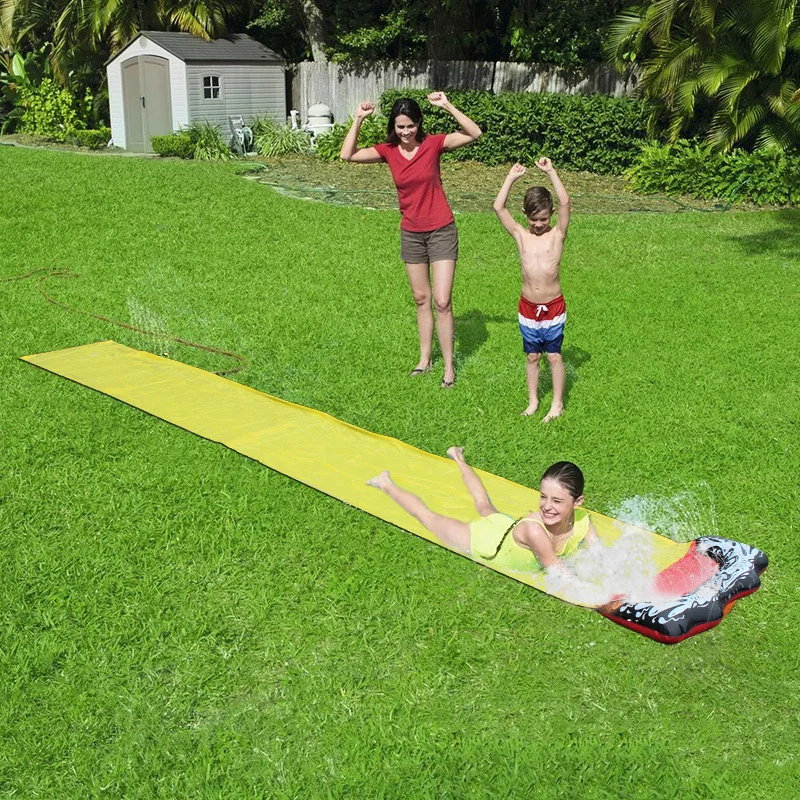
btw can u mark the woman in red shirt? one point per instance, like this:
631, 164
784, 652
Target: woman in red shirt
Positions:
428, 235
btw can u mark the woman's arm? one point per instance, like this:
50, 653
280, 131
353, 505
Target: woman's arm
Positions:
350, 150
468, 132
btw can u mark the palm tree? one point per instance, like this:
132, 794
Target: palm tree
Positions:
80, 28
739, 60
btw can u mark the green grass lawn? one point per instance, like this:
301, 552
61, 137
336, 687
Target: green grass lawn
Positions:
179, 621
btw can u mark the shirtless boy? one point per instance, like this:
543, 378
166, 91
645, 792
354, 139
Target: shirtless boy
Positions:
542, 312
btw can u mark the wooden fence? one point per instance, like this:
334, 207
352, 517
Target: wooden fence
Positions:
343, 87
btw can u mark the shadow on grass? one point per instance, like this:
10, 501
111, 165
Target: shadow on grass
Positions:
471, 332
782, 241
574, 359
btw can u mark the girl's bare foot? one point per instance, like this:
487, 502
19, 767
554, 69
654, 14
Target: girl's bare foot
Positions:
456, 453
382, 481
531, 409
555, 411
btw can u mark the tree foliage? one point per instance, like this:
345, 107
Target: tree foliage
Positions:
729, 69
88, 31
566, 33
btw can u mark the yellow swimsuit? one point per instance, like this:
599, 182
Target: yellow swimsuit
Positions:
492, 539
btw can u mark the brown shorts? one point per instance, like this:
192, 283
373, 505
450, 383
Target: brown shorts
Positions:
425, 247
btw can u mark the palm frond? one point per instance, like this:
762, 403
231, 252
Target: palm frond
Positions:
8, 40
685, 97
626, 34
771, 33
661, 15
743, 125
672, 64
777, 136
734, 86
704, 14
719, 67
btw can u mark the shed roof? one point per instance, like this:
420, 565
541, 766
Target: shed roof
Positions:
237, 47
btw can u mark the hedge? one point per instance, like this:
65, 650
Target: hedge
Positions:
594, 133
178, 145
762, 177
93, 139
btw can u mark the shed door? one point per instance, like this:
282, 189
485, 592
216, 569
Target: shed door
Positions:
132, 103
147, 101
158, 101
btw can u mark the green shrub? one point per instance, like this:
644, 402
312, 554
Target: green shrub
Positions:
208, 144
271, 139
763, 177
597, 133
176, 145
373, 131
93, 139
200, 141
48, 110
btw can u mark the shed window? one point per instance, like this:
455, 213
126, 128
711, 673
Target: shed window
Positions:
211, 87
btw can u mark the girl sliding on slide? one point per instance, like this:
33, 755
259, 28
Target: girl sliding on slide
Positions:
537, 541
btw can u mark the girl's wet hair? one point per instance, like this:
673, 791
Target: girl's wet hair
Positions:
568, 475
407, 107
537, 199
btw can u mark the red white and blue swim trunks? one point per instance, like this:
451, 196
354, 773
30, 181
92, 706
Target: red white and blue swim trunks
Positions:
542, 325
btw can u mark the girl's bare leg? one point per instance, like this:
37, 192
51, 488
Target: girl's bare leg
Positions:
473, 483
420, 282
557, 372
443, 276
532, 375
451, 532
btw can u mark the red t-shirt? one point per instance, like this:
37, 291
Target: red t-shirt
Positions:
420, 193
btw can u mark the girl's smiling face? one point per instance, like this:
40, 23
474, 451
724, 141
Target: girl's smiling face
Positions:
406, 129
557, 504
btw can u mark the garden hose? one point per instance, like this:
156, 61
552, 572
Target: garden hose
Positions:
46, 273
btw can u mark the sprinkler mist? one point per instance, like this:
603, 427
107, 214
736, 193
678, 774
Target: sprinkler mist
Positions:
156, 338
683, 517
627, 570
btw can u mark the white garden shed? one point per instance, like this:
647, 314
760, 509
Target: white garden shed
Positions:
161, 81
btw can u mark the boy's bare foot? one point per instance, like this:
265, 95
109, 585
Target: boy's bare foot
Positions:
456, 453
382, 481
555, 411
530, 410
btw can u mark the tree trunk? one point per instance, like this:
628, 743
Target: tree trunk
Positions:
315, 29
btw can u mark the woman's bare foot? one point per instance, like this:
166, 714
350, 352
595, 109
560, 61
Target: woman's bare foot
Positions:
382, 481
456, 453
531, 409
422, 368
555, 411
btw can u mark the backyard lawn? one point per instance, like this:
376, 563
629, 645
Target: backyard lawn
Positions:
179, 621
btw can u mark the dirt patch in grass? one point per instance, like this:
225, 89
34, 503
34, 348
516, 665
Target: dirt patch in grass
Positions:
470, 187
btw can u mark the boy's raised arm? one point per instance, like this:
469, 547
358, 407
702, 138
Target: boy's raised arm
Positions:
499, 205
546, 166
